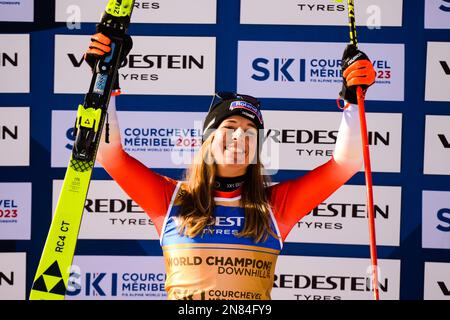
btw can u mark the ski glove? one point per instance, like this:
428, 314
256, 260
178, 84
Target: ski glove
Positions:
101, 45
357, 70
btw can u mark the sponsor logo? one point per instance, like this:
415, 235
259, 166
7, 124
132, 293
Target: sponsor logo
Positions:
6, 279
149, 61
303, 145
320, 12
14, 136
445, 67
437, 145
9, 133
343, 220
443, 216
15, 63
9, 209
437, 281
17, 10
229, 221
113, 278
12, 276
51, 280
223, 225
320, 137
333, 282
444, 141
268, 69
436, 219
333, 279
247, 106
445, 6
438, 71
12, 60
321, 7
437, 14
156, 65
174, 11
110, 214
143, 134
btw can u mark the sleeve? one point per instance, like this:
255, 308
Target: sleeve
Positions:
293, 199
151, 191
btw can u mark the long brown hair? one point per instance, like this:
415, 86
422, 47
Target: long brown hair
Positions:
197, 205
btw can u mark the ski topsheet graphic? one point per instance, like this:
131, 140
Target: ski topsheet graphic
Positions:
52, 276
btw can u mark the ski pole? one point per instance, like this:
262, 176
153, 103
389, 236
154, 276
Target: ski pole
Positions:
366, 155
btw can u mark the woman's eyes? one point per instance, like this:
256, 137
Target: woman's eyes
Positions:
250, 131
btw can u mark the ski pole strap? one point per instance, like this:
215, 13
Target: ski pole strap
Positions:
340, 106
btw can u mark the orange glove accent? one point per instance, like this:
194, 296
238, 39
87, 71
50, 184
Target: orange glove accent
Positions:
99, 45
360, 73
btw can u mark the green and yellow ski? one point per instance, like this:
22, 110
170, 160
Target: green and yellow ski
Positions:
52, 276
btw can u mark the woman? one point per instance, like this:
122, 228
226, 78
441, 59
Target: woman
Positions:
222, 228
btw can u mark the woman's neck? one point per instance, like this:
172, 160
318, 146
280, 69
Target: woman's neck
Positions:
229, 184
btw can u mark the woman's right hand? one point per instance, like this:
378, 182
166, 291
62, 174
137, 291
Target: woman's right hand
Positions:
101, 45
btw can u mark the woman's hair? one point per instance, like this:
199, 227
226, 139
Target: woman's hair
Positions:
197, 204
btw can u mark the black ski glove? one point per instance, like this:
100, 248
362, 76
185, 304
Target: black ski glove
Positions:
101, 45
357, 70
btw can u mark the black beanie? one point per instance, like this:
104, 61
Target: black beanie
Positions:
238, 105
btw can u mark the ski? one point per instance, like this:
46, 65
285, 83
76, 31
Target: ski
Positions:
52, 275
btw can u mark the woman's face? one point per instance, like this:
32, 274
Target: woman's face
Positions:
234, 146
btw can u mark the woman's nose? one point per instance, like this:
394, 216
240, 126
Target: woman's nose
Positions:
238, 134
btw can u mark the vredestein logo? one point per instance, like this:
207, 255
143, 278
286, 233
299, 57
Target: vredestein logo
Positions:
111, 206
445, 67
14, 60
147, 5
445, 142
349, 210
341, 210
325, 282
9, 132
437, 281
9, 59
320, 7
445, 6
117, 206
151, 62
445, 290
6, 278
143, 5
320, 137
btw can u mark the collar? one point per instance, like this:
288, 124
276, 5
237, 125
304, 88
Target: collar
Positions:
228, 189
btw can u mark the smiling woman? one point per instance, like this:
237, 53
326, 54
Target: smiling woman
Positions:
222, 227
